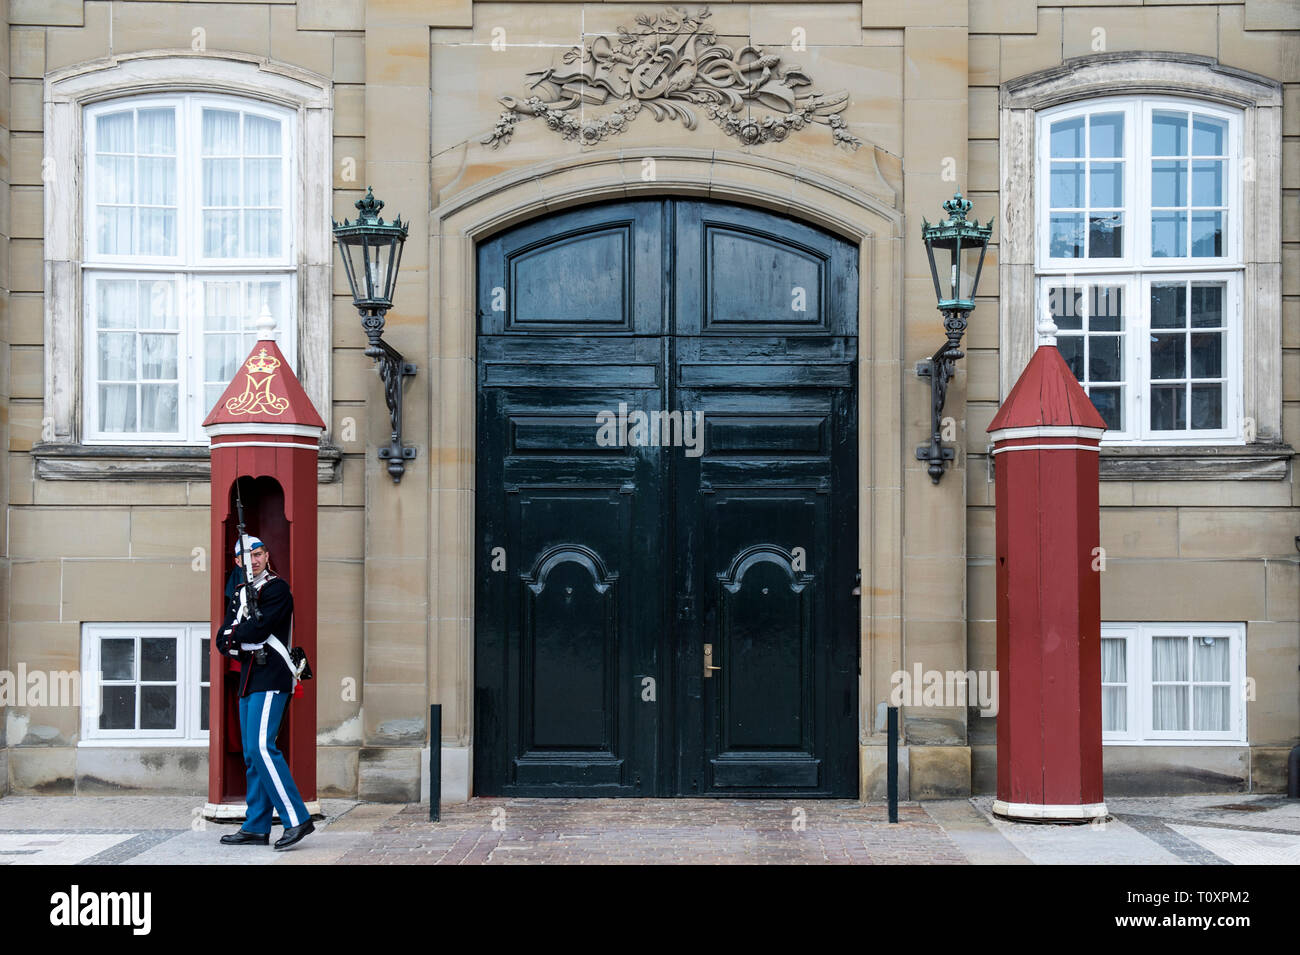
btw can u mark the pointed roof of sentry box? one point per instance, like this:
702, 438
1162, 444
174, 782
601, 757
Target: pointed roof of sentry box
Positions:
1047, 394
264, 390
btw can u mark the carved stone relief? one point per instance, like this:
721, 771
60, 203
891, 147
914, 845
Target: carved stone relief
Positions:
667, 64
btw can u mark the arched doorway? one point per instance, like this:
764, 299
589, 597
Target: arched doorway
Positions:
666, 480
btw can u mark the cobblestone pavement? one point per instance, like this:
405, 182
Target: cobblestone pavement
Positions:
170, 830
524, 831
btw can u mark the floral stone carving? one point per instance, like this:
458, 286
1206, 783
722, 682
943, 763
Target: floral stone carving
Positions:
667, 64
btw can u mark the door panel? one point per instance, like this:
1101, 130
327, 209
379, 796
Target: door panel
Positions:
623, 561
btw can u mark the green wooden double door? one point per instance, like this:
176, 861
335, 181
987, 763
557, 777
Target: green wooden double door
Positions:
666, 481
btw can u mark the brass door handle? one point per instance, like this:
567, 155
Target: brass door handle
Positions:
708, 661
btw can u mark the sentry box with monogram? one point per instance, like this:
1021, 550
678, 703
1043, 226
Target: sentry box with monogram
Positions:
265, 435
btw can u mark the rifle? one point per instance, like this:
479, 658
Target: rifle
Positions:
249, 590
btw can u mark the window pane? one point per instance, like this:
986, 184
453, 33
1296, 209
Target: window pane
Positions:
261, 294
117, 408
221, 357
220, 132
157, 231
1168, 408
1168, 659
157, 181
1114, 661
158, 658
1169, 183
205, 660
1212, 708
1107, 189
261, 136
1114, 709
158, 707
220, 234
1210, 662
1107, 308
204, 702
1168, 306
114, 179
117, 708
1067, 185
1071, 349
1107, 403
159, 307
221, 306
156, 133
1104, 359
262, 233
1066, 303
1209, 136
115, 132
1207, 306
1106, 236
158, 408
1207, 355
117, 658
262, 182
1168, 134
114, 229
1207, 406
1169, 707
1168, 356
1067, 138
158, 357
115, 303
1108, 134
1067, 235
117, 356
1207, 183
1169, 234
1207, 234
221, 182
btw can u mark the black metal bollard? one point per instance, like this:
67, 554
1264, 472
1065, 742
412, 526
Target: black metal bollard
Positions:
435, 761
891, 764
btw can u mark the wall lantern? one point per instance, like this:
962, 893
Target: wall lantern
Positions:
958, 243
372, 253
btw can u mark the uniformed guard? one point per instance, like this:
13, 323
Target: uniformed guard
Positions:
256, 632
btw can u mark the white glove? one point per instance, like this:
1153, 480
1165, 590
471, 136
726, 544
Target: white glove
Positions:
242, 615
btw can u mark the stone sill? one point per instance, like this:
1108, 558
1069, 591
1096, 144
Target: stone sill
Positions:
87, 462
1242, 462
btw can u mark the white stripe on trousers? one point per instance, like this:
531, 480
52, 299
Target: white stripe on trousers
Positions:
270, 767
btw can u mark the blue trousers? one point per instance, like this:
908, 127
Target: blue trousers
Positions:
269, 781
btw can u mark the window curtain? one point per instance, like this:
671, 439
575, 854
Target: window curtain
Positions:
1114, 699
1169, 702
1210, 663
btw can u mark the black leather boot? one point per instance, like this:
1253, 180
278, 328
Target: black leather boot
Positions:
242, 838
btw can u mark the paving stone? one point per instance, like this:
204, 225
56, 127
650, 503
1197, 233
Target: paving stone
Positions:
170, 830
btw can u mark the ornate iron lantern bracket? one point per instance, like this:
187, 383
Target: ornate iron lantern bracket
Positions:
960, 239
393, 368
372, 254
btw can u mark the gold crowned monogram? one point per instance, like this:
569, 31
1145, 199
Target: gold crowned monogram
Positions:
257, 396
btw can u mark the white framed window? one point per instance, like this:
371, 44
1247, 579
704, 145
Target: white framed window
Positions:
1139, 262
1149, 182
1173, 683
151, 682
189, 237
186, 183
